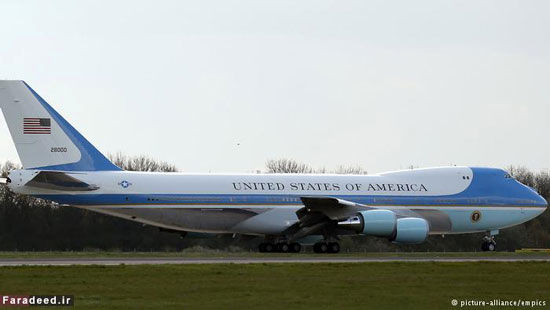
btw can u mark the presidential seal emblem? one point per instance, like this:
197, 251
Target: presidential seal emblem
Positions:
475, 216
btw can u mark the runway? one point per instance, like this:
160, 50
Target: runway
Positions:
263, 260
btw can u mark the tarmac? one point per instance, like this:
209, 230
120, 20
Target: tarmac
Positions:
262, 260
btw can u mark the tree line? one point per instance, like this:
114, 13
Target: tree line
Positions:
31, 224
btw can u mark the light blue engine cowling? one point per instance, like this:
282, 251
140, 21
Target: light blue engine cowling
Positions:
384, 223
381, 223
411, 230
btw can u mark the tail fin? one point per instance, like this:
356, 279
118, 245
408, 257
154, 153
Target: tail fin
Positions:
43, 139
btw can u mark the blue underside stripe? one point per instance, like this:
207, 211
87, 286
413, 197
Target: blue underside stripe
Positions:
194, 199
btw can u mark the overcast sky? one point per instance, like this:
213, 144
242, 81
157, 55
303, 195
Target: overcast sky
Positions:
222, 86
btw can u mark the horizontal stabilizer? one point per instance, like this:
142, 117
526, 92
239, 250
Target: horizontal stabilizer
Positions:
61, 181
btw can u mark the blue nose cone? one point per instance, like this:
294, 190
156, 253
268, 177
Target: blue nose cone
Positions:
531, 196
541, 201
535, 198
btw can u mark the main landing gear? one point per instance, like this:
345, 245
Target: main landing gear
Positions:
326, 247
294, 247
489, 243
280, 247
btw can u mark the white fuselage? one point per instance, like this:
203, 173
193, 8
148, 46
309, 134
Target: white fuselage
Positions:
267, 203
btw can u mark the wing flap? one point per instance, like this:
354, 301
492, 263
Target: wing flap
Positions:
321, 213
333, 208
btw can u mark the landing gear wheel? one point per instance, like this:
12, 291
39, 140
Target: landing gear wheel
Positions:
485, 246
333, 247
261, 248
489, 244
316, 248
320, 247
266, 247
295, 247
283, 247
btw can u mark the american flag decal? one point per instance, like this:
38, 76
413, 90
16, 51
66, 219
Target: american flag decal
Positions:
36, 126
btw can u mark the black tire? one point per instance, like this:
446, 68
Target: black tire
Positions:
295, 247
333, 247
269, 247
283, 247
261, 247
485, 246
491, 246
320, 247
317, 247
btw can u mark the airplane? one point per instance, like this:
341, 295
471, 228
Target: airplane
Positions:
60, 165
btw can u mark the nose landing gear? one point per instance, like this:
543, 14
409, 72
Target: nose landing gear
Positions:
489, 243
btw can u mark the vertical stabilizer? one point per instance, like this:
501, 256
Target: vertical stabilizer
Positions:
43, 138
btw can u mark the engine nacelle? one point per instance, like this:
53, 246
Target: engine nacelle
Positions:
411, 230
384, 223
381, 223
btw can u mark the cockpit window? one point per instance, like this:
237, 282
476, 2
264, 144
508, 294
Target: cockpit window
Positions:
507, 176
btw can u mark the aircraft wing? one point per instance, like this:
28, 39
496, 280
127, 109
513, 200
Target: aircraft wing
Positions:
319, 213
58, 180
333, 208
322, 213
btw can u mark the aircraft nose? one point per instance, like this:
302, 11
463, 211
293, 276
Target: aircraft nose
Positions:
536, 199
542, 202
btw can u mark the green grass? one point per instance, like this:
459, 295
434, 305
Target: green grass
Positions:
214, 253
282, 286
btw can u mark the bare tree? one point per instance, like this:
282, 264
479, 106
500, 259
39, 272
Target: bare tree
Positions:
350, 170
523, 175
542, 182
284, 165
7, 167
141, 163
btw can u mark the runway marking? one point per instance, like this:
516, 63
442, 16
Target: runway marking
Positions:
270, 260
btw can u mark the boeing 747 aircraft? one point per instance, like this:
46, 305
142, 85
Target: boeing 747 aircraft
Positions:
60, 165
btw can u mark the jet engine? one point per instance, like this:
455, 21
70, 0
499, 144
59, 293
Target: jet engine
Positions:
411, 230
384, 223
